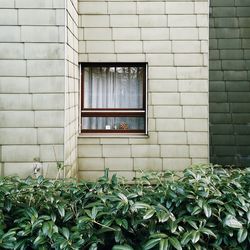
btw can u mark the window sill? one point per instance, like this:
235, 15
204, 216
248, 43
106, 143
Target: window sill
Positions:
121, 135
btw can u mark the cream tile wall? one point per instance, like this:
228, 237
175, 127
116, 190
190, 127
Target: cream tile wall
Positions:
31, 85
71, 89
39, 85
172, 37
36, 94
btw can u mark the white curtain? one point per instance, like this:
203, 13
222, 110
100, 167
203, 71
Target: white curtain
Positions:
113, 88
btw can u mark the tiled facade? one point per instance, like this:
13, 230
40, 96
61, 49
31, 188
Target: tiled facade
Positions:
38, 86
172, 37
71, 89
42, 43
230, 82
32, 85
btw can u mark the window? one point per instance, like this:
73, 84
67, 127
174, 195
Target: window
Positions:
113, 98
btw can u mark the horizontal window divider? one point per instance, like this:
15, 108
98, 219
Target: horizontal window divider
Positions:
113, 111
112, 131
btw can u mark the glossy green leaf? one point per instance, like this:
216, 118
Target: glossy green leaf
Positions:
94, 212
46, 228
208, 232
151, 243
123, 197
64, 244
125, 224
158, 235
195, 236
186, 238
8, 235
122, 247
175, 243
192, 223
118, 236
7, 205
45, 217
164, 245
120, 205
61, 210
125, 209
248, 216
168, 203
242, 235
118, 221
40, 179
31, 212
196, 210
200, 203
140, 205
230, 209
232, 222
21, 244
53, 217
37, 224
65, 232
148, 214
93, 247
207, 210
93, 204
68, 216
40, 240
173, 226
215, 201
7, 245
162, 216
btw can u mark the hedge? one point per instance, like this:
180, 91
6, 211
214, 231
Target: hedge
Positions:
207, 207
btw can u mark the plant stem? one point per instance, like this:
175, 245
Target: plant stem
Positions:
104, 225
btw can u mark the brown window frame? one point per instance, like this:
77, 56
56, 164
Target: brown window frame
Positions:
116, 112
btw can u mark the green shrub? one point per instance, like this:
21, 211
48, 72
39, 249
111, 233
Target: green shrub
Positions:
207, 208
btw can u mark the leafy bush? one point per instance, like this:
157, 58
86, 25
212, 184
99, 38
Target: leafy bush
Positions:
207, 208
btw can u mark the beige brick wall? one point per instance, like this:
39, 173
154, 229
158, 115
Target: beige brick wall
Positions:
38, 81
39, 88
71, 90
172, 37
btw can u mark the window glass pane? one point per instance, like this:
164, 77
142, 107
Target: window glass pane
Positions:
113, 87
107, 123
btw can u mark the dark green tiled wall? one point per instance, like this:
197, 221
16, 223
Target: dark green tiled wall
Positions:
230, 82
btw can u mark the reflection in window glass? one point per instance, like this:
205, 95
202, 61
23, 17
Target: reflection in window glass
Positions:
113, 123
